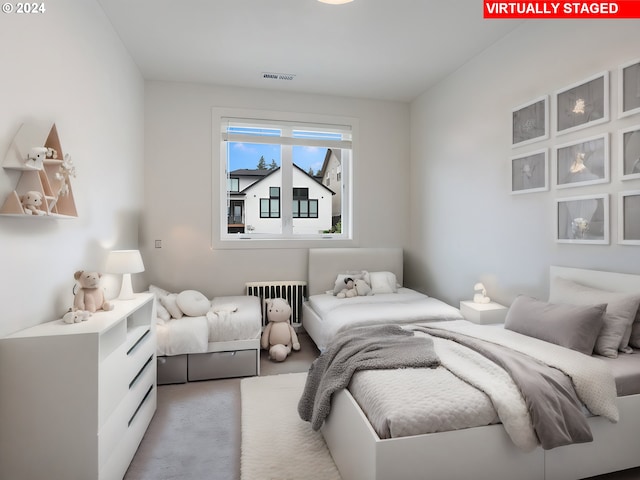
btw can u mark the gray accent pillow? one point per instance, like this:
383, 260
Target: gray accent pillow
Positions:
571, 326
618, 319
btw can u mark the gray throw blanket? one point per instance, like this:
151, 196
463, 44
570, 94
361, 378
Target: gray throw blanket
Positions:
555, 410
361, 348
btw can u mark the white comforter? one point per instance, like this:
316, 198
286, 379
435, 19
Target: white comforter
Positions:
468, 390
230, 318
406, 306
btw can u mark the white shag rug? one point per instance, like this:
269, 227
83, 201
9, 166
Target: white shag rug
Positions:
276, 443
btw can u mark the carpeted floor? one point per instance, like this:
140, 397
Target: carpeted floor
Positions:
195, 433
276, 443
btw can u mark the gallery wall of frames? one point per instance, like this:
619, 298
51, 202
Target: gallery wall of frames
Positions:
546, 160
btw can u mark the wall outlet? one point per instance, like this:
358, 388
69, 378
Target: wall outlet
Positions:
158, 243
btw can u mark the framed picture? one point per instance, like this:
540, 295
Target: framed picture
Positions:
629, 152
583, 104
629, 89
530, 122
529, 172
583, 219
629, 218
585, 162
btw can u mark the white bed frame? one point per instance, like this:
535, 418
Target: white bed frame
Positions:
325, 263
481, 452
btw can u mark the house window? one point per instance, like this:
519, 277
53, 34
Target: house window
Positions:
270, 207
233, 185
274, 163
303, 207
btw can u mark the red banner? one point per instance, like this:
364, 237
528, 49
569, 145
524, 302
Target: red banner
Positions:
562, 9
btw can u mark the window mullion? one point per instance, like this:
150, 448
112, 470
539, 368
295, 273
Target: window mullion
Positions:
286, 194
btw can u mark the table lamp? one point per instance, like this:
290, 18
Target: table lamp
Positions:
125, 262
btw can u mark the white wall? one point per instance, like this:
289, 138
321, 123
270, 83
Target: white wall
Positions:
69, 67
178, 184
466, 225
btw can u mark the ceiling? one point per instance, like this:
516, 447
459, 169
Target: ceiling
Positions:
380, 49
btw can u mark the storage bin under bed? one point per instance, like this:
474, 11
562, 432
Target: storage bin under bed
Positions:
239, 358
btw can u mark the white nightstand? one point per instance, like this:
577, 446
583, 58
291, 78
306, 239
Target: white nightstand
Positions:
483, 313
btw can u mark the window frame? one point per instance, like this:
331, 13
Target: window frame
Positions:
219, 236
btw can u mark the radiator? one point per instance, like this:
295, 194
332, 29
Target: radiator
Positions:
293, 292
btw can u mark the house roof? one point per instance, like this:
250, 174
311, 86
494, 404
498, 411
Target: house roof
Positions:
270, 172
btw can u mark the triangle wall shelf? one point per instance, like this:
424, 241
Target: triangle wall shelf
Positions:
43, 168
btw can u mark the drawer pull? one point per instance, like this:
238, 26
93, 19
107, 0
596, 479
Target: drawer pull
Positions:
144, 367
140, 406
138, 342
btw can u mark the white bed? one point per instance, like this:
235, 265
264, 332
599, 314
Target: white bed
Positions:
223, 343
488, 451
323, 314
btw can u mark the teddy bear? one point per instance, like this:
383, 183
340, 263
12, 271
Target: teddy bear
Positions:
279, 337
349, 289
89, 296
362, 288
31, 202
76, 316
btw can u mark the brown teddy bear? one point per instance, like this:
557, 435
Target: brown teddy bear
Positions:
279, 337
90, 296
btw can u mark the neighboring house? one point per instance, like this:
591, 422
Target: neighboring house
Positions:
255, 202
331, 176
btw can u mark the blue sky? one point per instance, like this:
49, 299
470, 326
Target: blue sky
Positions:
247, 155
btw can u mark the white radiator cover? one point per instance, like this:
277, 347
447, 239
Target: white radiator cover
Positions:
293, 291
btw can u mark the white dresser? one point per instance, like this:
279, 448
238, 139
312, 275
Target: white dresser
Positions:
76, 399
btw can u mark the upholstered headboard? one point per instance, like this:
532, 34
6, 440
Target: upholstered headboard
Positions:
326, 263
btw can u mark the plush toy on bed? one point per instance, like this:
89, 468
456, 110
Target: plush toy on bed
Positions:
279, 337
89, 296
349, 289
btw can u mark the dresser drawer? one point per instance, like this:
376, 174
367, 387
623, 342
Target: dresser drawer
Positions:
208, 366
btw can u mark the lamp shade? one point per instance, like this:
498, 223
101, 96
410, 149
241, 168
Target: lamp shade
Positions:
124, 261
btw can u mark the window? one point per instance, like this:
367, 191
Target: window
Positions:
276, 170
303, 207
270, 207
233, 185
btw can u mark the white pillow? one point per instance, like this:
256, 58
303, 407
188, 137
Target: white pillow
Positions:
618, 318
161, 312
383, 282
193, 303
170, 303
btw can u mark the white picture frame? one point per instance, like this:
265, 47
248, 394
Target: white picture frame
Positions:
530, 172
530, 122
582, 162
583, 219
629, 88
583, 104
629, 152
629, 217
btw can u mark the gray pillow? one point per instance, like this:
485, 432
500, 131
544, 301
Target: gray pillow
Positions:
618, 319
634, 339
571, 326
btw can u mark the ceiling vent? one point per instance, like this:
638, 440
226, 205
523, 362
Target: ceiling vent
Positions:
278, 76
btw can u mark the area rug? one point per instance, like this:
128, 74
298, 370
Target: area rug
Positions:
276, 443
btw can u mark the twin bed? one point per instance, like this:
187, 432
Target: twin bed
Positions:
475, 428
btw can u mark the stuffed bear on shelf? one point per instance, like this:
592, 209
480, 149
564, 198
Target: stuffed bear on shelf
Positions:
279, 337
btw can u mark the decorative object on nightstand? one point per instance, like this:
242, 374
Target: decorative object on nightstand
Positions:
482, 296
125, 262
483, 313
